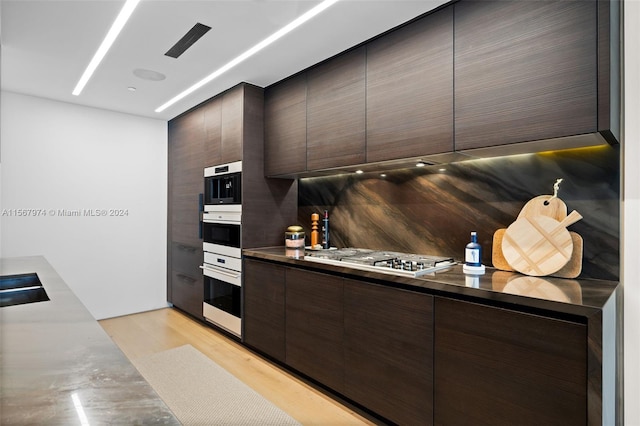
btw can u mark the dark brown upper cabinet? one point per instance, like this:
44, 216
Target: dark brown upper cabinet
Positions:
223, 127
231, 132
285, 127
410, 90
528, 71
336, 112
212, 111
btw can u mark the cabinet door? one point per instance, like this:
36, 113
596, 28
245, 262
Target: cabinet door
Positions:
213, 132
315, 326
524, 71
263, 307
389, 351
186, 136
499, 367
232, 124
410, 90
184, 278
285, 127
336, 112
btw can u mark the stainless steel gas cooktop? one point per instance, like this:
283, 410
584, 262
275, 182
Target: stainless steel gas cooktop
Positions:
387, 262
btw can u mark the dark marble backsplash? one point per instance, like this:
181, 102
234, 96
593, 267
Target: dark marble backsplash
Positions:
432, 210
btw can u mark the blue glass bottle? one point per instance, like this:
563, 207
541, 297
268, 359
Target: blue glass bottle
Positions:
473, 251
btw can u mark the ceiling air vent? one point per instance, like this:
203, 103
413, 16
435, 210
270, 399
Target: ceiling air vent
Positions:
187, 40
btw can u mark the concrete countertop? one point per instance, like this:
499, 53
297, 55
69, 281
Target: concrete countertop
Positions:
57, 362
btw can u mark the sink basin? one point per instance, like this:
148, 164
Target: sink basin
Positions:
20, 289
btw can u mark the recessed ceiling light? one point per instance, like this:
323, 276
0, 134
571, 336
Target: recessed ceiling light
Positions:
111, 36
131, 89
252, 51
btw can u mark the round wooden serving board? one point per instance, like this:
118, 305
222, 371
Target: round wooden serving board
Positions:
538, 245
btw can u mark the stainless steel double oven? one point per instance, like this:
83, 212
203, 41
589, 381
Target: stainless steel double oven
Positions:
222, 237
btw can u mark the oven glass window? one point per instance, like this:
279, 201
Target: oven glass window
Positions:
222, 295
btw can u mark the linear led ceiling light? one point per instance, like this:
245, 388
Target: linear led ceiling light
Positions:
117, 26
252, 51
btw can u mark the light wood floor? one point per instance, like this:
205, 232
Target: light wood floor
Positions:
147, 333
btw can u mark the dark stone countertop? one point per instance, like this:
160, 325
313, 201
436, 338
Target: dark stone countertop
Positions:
54, 355
576, 297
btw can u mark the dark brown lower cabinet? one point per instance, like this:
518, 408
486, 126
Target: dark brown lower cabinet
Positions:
389, 351
499, 367
263, 311
186, 282
187, 292
314, 324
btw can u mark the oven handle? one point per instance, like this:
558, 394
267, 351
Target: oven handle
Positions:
220, 271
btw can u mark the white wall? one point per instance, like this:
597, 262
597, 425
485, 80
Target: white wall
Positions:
631, 213
58, 156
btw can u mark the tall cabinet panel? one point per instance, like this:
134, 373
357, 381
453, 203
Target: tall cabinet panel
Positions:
410, 90
500, 367
389, 351
524, 71
285, 130
186, 147
336, 112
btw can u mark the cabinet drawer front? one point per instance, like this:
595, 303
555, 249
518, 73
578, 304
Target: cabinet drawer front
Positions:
186, 258
188, 293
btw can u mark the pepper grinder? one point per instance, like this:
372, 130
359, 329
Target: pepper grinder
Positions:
315, 217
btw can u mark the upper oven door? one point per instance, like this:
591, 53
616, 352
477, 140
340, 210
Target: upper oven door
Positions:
223, 185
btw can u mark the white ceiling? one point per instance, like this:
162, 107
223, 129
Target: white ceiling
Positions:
47, 44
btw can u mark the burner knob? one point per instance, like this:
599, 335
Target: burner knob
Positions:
419, 266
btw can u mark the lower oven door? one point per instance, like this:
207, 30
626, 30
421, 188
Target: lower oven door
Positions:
222, 298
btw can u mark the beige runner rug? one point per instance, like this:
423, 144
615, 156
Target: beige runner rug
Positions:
200, 392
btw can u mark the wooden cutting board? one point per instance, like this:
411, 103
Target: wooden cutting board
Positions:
546, 205
572, 269
539, 245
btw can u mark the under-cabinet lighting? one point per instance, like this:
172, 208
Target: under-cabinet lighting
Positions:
359, 172
252, 51
117, 26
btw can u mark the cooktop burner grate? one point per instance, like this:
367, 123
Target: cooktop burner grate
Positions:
389, 262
